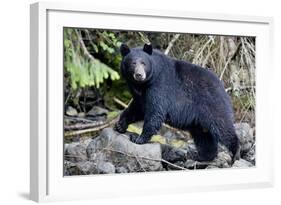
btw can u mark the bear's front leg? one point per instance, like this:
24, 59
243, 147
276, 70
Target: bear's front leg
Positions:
152, 123
130, 115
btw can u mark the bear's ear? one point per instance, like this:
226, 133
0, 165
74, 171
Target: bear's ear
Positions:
124, 49
147, 48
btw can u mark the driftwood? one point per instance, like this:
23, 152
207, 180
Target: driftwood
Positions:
91, 126
93, 129
79, 126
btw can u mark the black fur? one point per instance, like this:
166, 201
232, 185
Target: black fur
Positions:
181, 94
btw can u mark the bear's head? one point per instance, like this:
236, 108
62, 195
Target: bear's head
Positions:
136, 65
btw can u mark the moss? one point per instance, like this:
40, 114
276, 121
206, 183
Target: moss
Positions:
135, 129
158, 138
177, 143
155, 138
111, 115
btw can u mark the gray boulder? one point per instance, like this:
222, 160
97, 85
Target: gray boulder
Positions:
75, 152
118, 150
245, 135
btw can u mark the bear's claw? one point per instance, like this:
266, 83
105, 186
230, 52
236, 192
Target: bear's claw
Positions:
119, 128
137, 138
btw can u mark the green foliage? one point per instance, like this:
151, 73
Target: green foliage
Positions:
120, 90
84, 69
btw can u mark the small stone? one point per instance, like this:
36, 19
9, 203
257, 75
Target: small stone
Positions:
80, 168
211, 166
242, 163
70, 169
121, 170
86, 168
105, 168
81, 114
97, 111
70, 111
65, 147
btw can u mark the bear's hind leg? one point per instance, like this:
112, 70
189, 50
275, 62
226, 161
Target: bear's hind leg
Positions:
206, 144
231, 141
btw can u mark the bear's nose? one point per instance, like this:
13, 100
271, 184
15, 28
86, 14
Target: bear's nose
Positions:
138, 76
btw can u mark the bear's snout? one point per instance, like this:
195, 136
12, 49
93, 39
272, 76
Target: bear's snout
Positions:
139, 72
138, 77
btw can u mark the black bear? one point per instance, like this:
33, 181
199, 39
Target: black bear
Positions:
181, 94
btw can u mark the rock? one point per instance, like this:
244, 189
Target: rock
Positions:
211, 167
242, 163
70, 168
223, 159
97, 111
85, 141
172, 154
81, 114
105, 168
75, 152
65, 147
168, 135
117, 149
245, 135
70, 111
251, 155
111, 152
86, 168
121, 170
191, 151
81, 168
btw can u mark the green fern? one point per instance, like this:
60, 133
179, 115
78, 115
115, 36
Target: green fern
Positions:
84, 71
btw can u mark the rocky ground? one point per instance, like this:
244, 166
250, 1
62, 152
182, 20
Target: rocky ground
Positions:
112, 152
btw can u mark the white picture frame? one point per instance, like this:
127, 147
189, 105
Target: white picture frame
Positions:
47, 182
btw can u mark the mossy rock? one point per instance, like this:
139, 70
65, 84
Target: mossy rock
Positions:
155, 138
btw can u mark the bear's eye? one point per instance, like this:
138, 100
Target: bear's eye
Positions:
143, 63
134, 63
